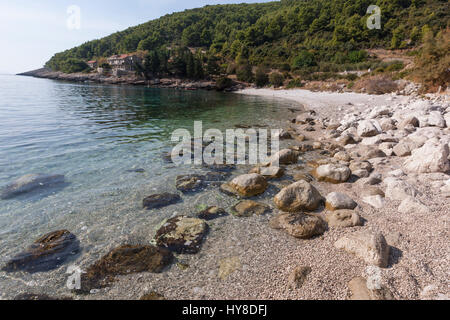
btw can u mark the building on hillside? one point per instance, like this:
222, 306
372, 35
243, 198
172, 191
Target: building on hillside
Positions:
123, 62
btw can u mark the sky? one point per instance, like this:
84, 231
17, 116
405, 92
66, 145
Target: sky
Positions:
32, 31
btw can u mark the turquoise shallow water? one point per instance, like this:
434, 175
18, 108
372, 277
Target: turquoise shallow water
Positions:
94, 135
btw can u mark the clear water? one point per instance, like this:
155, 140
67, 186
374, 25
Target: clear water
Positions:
94, 135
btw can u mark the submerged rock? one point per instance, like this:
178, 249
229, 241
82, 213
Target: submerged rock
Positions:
30, 182
160, 200
299, 225
123, 260
189, 183
47, 253
285, 156
269, 172
298, 277
182, 234
228, 266
298, 196
249, 208
211, 213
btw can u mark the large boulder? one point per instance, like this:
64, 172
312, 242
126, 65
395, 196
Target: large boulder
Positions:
30, 182
182, 234
337, 201
369, 246
432, 157
299, 225
249, 185
368, 128
334, 173
47, 253
298, 196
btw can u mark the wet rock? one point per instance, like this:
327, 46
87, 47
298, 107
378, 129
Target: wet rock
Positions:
228, 266
216, 176
182, 234
303, 176
284, 135
338, 201
124, 260
343, 219
189, 183
249, 185
284, 157
298, 196
432, 157
227, 189
156, 201
249, 208
334, 173
299, 225
369, 246
212, 213
368, 128
298, 277
375, 201
269, 172
47, 253
30, 182
152, 296
360, 291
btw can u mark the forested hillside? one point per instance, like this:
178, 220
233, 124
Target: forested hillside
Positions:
317, 35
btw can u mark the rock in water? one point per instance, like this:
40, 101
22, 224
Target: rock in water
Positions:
298, 277
369, 246
249, 208
333, 173
189, 183
211, 213
337, 201
29, 183
298, 196
299, 225
124, 260
47, 253
249, 185
160, 200
182, 234
285, 156
269, 172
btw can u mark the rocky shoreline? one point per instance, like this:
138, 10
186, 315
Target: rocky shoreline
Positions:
174, 83
365, 219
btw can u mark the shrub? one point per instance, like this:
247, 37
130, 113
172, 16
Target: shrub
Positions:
261, 77
276, 79
244, 73
223, 83
304, 59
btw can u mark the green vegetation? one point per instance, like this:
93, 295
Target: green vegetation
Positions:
298, 36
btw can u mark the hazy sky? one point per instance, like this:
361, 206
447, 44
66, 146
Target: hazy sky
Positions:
32, 31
